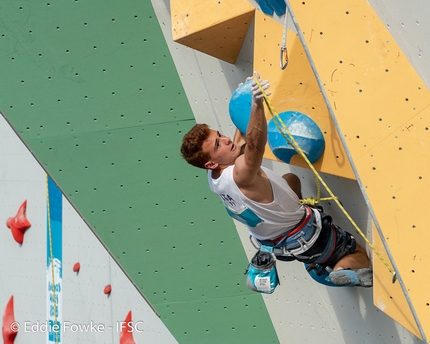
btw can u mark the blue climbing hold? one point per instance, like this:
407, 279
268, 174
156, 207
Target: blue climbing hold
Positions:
240, 106
304, 130
268, 6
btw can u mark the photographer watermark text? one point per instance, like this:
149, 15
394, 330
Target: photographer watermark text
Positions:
67, 326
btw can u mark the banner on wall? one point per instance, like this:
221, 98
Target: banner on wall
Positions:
54, 275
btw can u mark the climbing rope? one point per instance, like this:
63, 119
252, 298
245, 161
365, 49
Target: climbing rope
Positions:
311, 201
52, 262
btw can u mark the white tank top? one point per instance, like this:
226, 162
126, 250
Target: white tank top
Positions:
263, 220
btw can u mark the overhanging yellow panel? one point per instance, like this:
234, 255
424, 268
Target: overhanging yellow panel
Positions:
383, 110
216, 28
296, 89
388, 296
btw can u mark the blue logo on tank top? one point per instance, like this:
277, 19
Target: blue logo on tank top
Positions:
240, 212
246, 216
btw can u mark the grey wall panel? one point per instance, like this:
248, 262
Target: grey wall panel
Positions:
408, 22
24, 267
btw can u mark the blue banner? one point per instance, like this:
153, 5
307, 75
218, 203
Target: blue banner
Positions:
54, 257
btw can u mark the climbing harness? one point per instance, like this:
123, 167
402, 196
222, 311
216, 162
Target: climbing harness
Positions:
291, 140
299, 240
296, 244
284, 51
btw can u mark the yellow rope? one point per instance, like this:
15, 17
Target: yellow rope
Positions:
52, 262
291, 140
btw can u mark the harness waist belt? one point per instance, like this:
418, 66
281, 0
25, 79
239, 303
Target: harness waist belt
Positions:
299, 240
302, 222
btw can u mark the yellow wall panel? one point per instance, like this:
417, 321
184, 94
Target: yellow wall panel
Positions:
383, 110
296, 89
388, 296
216, 28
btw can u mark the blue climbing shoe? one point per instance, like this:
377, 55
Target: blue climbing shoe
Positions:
351, 278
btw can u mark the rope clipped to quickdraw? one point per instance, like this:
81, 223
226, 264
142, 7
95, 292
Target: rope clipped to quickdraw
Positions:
291, 140
51, 253
284, 51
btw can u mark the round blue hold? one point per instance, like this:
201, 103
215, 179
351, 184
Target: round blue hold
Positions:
304, 130
240, 106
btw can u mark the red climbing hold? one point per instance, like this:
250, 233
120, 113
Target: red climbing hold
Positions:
10, 326
19, 224
108, 289
126, 336
76, 267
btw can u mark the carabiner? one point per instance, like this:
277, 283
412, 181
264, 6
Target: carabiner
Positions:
284, 53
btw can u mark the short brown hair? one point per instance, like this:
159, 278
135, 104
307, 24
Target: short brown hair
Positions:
192, 142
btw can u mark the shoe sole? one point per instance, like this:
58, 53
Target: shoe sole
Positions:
359, 277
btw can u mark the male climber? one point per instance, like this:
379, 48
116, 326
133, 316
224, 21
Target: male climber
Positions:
268, 204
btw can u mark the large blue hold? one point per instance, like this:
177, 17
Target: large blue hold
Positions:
240, 106
270, 6
304, 130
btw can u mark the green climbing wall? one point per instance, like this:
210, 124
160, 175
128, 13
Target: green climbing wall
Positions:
90, 87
